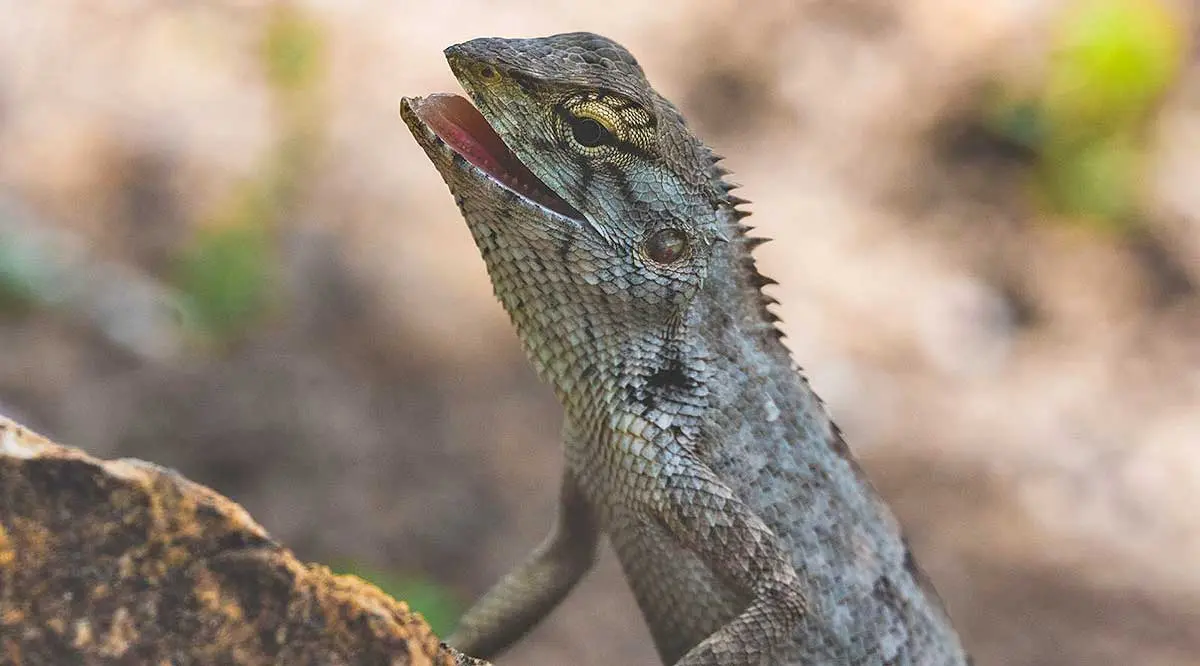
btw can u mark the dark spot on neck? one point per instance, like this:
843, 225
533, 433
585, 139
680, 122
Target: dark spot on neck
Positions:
669, 376
647, 399
664, 384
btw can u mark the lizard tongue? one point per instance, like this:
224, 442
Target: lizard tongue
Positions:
465, 130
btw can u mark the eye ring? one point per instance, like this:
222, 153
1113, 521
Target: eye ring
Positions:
667, 246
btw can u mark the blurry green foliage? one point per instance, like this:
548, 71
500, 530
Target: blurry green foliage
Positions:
1112, 63
293, 49
23, 280
1097, 182
227, 274
293, 58
431, 600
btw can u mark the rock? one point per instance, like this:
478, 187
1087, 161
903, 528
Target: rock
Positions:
126, 562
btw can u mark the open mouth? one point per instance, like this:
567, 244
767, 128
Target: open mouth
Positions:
461, 127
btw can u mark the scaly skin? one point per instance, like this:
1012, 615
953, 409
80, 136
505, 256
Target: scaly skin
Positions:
746, 530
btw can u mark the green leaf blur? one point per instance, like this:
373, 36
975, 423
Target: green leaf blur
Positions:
434, 602
293, 49
227, 273
1111, 65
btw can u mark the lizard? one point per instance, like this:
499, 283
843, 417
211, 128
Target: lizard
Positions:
692, 441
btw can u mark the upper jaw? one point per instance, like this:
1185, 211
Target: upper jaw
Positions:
488, 161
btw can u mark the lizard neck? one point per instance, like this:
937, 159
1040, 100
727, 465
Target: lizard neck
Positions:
755, 389
610, 361
722, 370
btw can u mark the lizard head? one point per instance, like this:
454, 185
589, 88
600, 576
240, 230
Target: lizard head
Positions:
595, 208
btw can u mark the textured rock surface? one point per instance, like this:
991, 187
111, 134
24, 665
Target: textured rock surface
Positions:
127, 562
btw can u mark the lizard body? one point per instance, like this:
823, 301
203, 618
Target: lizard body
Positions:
746, 530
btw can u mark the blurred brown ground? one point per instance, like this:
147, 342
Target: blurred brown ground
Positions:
1027, 395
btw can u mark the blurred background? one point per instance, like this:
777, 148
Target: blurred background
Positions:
220, 250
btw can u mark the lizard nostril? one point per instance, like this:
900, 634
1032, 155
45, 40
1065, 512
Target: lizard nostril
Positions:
487, 73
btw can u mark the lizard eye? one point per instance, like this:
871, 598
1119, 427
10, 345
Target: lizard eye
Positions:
667, 246
589, 133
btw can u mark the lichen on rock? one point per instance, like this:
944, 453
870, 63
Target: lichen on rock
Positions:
127, 562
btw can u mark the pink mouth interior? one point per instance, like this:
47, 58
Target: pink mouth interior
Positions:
465, 130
